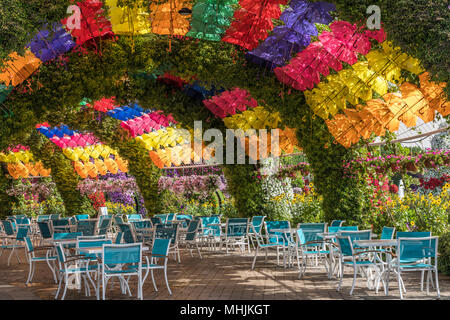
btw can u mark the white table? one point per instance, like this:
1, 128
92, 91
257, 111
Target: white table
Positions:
380, 243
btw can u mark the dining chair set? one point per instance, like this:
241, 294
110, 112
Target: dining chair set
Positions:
85, 248
338, 247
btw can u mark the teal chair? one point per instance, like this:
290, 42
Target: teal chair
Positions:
416, 254
236, 234
307, 250
33, 259
191, 234
359, 261
160, 252
129, 257
65, 270
257, 224
278, 238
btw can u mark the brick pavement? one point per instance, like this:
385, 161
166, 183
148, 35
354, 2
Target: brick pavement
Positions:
218, 276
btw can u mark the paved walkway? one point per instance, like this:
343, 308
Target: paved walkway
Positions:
217, 276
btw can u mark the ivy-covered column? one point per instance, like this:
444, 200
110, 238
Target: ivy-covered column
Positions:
63, 174
245, 188
5, 200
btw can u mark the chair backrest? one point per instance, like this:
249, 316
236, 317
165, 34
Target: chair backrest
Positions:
257, 223
413, 249
162, 216
92, 243
209, 229
45, 228
311, 231
66, 235
43, 217
337, 223
102, 217
185, 218
167, 231
161, 246
357, 235
345, 245
118, 219
342, 228
156, 220
8, 227
20, 216
127, 233
387, 233
87, 226
313, 227
81, 217
192, 230
61, 222
118, 237
143, 224
104, 226
415, 234
114, 254
54, 216
171, 217
60, 255
273, 236
134, 217
23, 220
237, 227
29, 245
22, 232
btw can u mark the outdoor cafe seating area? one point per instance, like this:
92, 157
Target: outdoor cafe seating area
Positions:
95, 254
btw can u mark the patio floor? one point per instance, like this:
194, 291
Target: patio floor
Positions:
218, 276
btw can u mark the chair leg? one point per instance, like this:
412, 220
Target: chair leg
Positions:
65, 286
198, 250
399, 280
59, 286
153, 280
437, 283
30, 273
355, 272
167, 282
254, 259
341, 276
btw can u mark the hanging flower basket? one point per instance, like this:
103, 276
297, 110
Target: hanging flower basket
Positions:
411, 166
428, 163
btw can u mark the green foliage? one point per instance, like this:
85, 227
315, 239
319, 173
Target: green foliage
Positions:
444, 251
6, 202
245, 188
